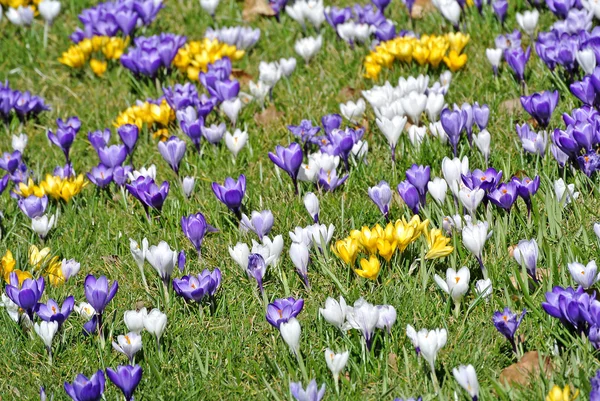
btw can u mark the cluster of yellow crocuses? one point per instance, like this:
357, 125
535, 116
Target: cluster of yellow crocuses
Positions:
89, 49
155, 116
195, 56
428, 49
39, 260
54, 186
385, 242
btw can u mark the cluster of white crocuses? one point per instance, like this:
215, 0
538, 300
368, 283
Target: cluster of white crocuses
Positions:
394, 106
303, 12
161, 257
269, 75
23, 16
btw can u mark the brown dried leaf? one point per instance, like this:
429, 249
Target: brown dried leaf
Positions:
268, 116
139, 305
110, 259
422, 7
526, 370
241, 76
393, 361
510, 105
347, 93
254, 8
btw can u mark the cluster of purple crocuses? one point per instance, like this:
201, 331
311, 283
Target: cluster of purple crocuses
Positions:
461, 120
149, 54
13, 164
23, 104
112, 157
356, 24
113, 17
126, 378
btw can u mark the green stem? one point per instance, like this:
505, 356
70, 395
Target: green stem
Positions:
302, 366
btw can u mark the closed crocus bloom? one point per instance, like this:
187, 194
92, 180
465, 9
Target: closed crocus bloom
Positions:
155, 322
194, 227
474, 237
210, 6
84, 309
49, 10
336, 362
352, 111
232, 108
528, 21
437, 244
363, 316
434, 106
236, 142
42, 225
84, 389
586, 59
163, 259
471, 198
239, 253
467, 379
586, 276
259, 222
564, 193
33, 206
392, 129
134, 320
507, 323
172, 151
231, 193
430, 343
112, 156
20, 16
437, 189
334, 312
289, 160
128, 344
126, 378
562, 394
346, 249
98, 293
453, 169
19, 142
416, 135
482, 141
597, 229
46, 331
455, 61
526, 253
299, 254
414, 104
386, 249
69, 268
290, 332
369, 268
25, 294
312, 392
188, 186
483, 288
386, 317
494, 56
311, 202
308, 47
381, 195
321, 235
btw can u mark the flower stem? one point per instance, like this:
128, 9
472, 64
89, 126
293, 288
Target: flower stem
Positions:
302, 366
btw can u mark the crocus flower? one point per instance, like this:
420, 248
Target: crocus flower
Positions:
474, 237
10, 161
453, 122
33, 206
27, 295
46, 330
196, 288
134, 320
194, 228
65, 134
231, 194
386, 317
290, 332
336, 363
381, 195
311, 202
126, 378
312, 392
507, 323
410, 195
456, 284
334, 312
430, 342
128, 344
155, 322
97, 292
500, 8
467, 378
172, 151
84, 389
129, 135
363, 316
300, 256
148, 193
257, 268
419, 176
526, 253
282, 310
540, 106
69, 268
504, 196
586, 276
51, 312
569, 305
289, 160
163, 259
517, 59
260, 223
329, 180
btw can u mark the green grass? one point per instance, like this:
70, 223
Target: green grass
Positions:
235, 352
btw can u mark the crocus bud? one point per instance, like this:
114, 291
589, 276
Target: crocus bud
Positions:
188, 186
49, 10
474, 237
210, 6
311, 202
471, 198
437, 189
46, 331
494, 56
587, 60
334, 312
290, 332
483, 288
467, 379
526, 253
239, 253
236, 142
430, 343
231, 108
353, 112
300, 258
155, 322
134, 320
69, 268
336, 362
528, 21
482, 141
42, 225
19, 142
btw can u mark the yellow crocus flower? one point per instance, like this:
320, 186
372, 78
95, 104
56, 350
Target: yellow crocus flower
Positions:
7, 264
386, 248
418, 225
561, 394
98, 67
37, 256
114, 47
405, 48
346, 249
458, 41
372, 70
403, 234
86, 46
21, 276
455, 61
54, 272
369, 268
368, 239
437, 244
162, 134
29, 189
421, 54
436, 55
74, 58
63, 188
388, 233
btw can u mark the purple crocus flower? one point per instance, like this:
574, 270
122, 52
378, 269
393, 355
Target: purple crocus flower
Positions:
259, 222
231, 193
409, 195
4, 183
504, 196
560, 8
101, 175
569, 305
99, 139
584, 91
453, 122
595, 383
224, 90
500, 8
257, 268
191, 125
180, 96
385, 31
97, 292
507, 323
196, 288
126, 378
481, 115
289, 160
283, 309
329, 180
409, 6
589, 163
147, 192
305, 131
540, 106
51, 312
65, 134
532, 142
381, 195
120, 174
517, 59
27, 295
10, 161
214, 133
419, 176
33, 206
84, 389
129, 134
112, 156
172, 151
312, 392
381, 4
526, 188
487, 180
331, 122
194, 228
